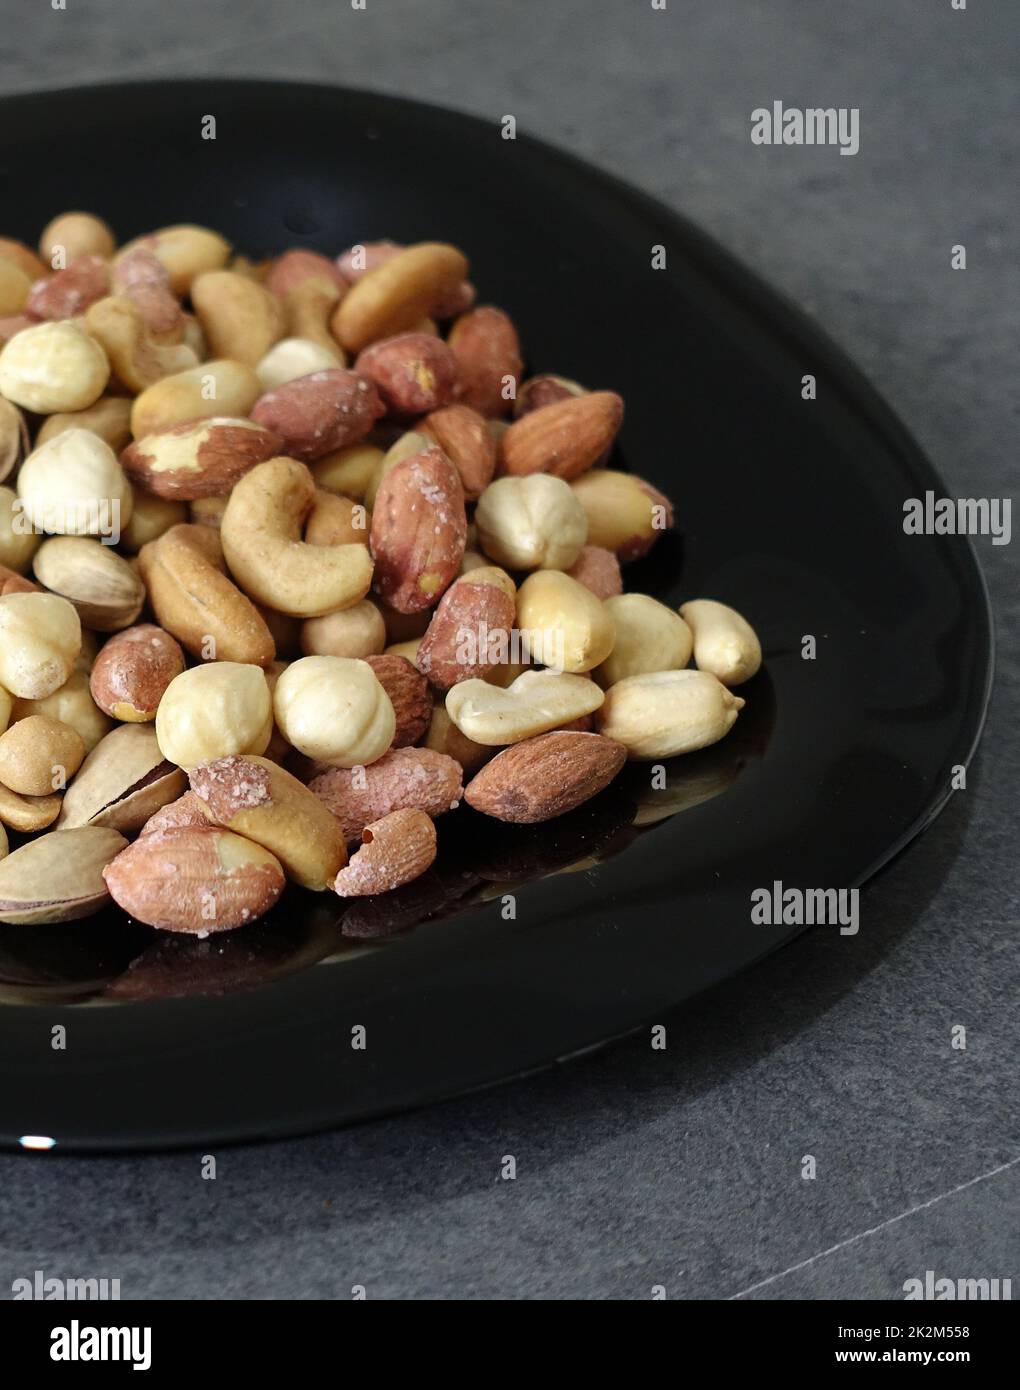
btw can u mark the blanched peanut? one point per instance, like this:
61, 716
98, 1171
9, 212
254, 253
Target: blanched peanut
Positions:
18, 542
110, 418
14, 287
185, 251
39, 755
213, 711
562, 624
337, 521
356, 632
40, 637
724, 642
532, 704
293, 357
74, 234
625, 514
649, 637
239, 318
74, 486
72, 704
219, 387
53, 367
334, 709
533, 522
349, 471
151, 517
663, 713
409, 444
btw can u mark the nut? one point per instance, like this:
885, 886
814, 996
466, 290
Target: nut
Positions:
189, 879
356, 631
292, 358
308, 310
261, 534
530, 523
213, 711
546, 389
394, 296
132, 672
109, 417
545, 777
27, 813
69, 292
444, 737
122, 782
198, 458
186, 810
563, 625
365, 256
625, 514
486, 345
255, 798
14, 443
404, 447
73, 234
409, 695
724, 642
101, 584
40, 637
598, 570
136, 358
39, 755
141, 276
395, 850
534, 703
564, 439
413, 372
336, 521
220, 388
404, 779
419, 528
72, 704
195, 601
319, 413
348, 471
296, 267
51, 367
23, 257
464, 438
471, 629
74, 486
59, 877
15, 288
151, 517
663, 713
239, 318
18, 542
184, 251
333, 709
649, 637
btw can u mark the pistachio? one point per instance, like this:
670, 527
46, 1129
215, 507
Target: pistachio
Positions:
103, 587
58, 877
122, 782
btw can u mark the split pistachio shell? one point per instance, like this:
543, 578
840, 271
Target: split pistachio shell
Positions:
122, 782
58, 877
724, 641
663, 713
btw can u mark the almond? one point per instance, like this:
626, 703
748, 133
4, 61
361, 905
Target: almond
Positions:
545, 776
419, 530
196, 880
565, 438
395, 850
198, 458
464, 437
403, 779
69, 291
598, 570
485, 343
470, 632
413, 372
313, 415
409, 695
133, 670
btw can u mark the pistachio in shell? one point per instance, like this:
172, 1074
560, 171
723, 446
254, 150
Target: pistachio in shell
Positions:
122, 782
58, 877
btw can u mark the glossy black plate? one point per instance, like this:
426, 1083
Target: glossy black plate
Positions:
791, 510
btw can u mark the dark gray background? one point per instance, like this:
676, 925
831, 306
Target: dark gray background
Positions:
679, 1168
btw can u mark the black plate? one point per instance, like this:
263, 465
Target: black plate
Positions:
790, 510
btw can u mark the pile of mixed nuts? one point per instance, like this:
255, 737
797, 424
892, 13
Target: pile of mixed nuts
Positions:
278, 572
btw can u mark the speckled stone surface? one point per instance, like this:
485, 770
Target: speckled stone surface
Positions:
679, 1168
